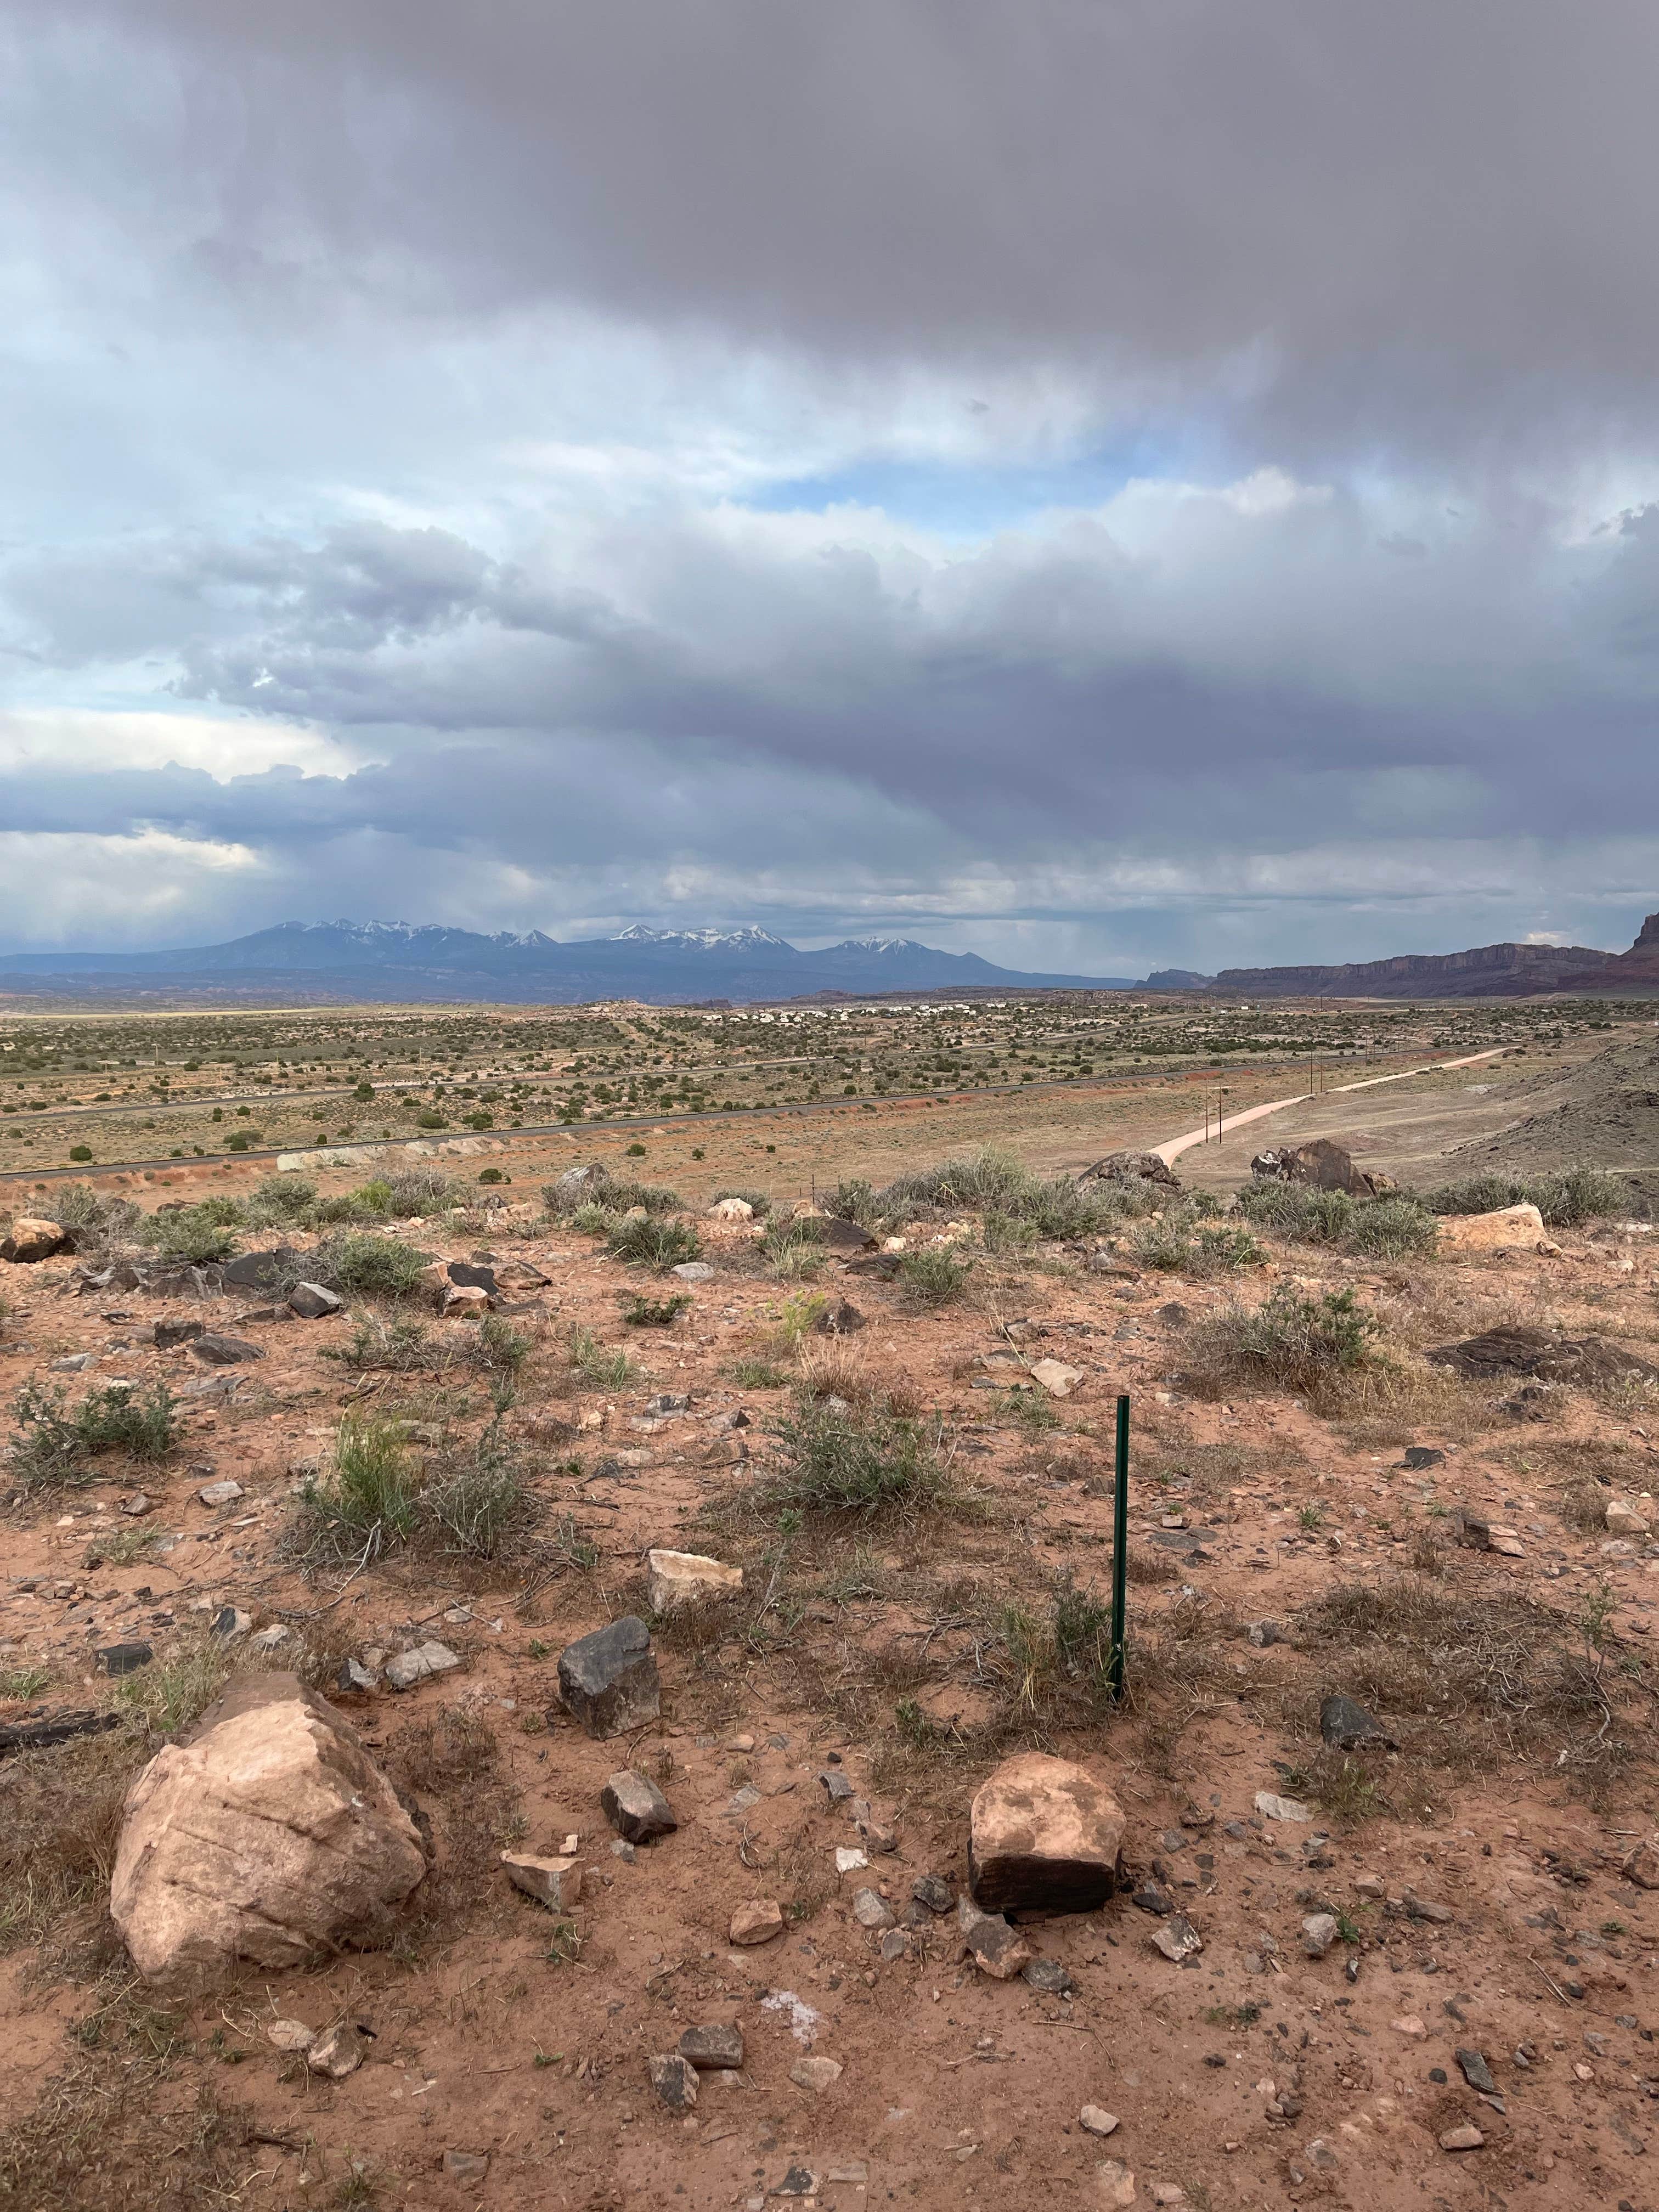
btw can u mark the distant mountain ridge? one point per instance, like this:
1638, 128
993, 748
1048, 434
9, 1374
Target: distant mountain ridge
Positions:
1488, 971
430, 961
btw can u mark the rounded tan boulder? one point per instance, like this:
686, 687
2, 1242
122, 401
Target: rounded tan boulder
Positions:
1511, 1229
31, 1238
267, 1836
1044, 1835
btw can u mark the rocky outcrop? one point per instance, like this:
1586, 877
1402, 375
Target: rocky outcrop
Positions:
1322, 1164
32, 1238
265, 1838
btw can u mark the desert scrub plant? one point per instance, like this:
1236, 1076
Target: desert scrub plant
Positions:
283, 1197
397, 1345
601, 1366
52, 1444
1292, 1343
1564, 1200
476, 1500
592, 1219
853, 1199
498, 1348
178, 1690
367, 1503
1061, 1655
641, 1312
864, 1461
934, 1276
97, 1224
792, 1250
417, 1193
188, 1236
1379, 1228
1184, 1239
641, 1241
364, 1265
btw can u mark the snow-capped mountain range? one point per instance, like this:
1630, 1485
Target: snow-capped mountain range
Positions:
430, 961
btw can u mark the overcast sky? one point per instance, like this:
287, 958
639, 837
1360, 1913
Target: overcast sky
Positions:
1096, 482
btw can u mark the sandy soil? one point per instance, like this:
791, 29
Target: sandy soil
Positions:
1253, 2076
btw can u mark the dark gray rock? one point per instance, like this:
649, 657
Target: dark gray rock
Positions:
1477, 2073
225, 1350
936, 1894
635, 1807
839, 1319
170, 1334
675, 2080
1152, 1899
124, 1658
258, 1270
836, 1786
609, 1680
844, 1237
467, 1277
1050, 1977
1345, 1725
313, 1301
713, 2046
1419, 1456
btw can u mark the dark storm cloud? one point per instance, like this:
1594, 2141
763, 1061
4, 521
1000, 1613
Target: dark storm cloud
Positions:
1421, 222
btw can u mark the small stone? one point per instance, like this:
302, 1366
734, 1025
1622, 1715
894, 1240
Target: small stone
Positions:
678, 1578
894, 1945
1150, 1897
1264, 1633
674, 2078
713, 2046
1055, 1376
817, 2074
870, 1909
269, 1640
556, 1883
1319, 1932
1409, 2026
230, 1624
757, 1922
224, 1351
314, 1302
1286, 1809
609, 1680
75, 1363
353, 1679
1641, 1865
1345, 1725
938, 1896
621, 1848
694, 1271
289, 2035
407, 1669
635, 1807
731, 1209
1114, 2185
137, 1505
123, 1658
1476, 2072
336, 2054
1096, 2120
1048, 1978
465, 2165
836, 1786
1177, 1939
1463, 2138
849, 1859
839, 1318
1622, 1518
996, 1948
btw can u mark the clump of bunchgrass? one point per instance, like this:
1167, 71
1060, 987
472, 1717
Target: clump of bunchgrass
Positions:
1302, 1345
601, 1366
54, 1442
934, 1276
863, 1461
366, 1504
1564, 1198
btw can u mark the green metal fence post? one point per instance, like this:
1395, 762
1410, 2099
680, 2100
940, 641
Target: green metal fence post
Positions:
1120, 1550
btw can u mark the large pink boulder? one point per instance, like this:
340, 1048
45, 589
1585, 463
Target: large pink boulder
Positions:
267, 1838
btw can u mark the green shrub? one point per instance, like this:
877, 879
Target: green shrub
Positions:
80, 1152
366, 1266
793, 1249
422, 1191
862, 1462
934, 1276
51, 1444
283, 1198
593, 1219
852, 1199
498, 1347
1379, 1228
187, 1237
1391, 1229
367, 1504
97, 1224
757, 1374
654, 1312
1291, 1343
647, 1242
477, 1499
1060, 1656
